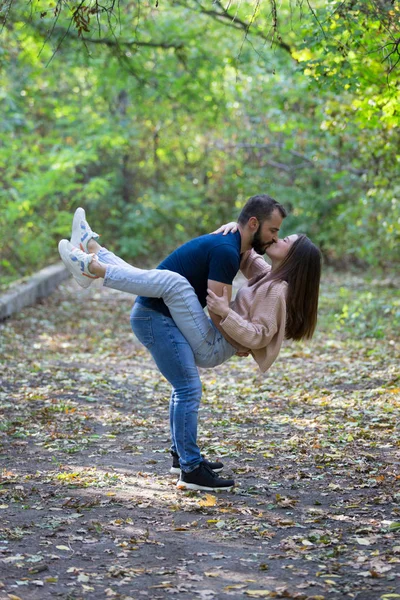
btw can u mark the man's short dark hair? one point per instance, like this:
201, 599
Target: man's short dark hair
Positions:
261, 206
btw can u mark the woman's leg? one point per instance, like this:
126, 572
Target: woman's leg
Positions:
208, 344
104, 255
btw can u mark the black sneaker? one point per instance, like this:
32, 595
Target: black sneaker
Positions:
176, 469
203, 478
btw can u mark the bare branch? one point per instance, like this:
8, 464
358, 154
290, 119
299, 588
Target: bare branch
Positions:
230, 20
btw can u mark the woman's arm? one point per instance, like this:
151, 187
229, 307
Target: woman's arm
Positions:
271, 312
230, 227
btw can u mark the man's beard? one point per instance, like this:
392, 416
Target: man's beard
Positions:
257, 244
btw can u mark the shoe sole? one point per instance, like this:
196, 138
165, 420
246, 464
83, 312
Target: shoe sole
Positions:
181, 485
79, 216
176, 471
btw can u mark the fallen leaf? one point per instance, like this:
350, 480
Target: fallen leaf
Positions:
209, 500
14, 558
205, 594
234, 586
364, 541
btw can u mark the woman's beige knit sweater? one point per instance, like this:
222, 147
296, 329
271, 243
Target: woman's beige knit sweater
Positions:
257, 316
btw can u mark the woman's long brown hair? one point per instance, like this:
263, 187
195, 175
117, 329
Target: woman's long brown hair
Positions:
301, 269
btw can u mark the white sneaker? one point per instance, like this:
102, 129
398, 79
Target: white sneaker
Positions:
77, 263
81, 231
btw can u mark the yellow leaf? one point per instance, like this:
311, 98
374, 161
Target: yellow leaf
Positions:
63, 548
111, 494
302, 55
209, 500
258, 593
388, 596
234, 586
13, 597
212, 573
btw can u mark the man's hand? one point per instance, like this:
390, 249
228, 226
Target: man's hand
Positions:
219, 305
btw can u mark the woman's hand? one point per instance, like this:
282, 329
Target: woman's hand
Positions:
231, 227
219, 305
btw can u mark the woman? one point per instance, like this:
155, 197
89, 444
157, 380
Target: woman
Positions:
278, 301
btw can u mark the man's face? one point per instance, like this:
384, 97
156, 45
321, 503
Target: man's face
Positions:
267, 232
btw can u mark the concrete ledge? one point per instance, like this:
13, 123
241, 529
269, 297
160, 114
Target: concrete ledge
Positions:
38, 286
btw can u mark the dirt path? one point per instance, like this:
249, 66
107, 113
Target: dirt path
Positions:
89, 511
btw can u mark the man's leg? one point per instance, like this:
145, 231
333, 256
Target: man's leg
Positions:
171, 421
174, 358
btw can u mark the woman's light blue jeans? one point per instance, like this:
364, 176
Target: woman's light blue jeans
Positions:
178, 345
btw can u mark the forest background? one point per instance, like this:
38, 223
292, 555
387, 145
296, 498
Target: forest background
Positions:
161, 118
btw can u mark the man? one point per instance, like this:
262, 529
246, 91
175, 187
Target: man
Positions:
208, 262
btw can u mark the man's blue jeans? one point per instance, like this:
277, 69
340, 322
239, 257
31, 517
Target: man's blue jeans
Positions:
175, 359
176, 356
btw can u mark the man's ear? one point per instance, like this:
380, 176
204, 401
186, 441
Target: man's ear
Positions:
253, 224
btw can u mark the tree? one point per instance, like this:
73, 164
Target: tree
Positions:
162, 131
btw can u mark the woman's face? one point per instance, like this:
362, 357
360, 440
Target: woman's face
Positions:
278, 252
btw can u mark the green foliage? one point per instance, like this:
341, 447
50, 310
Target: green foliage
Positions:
162, 132
361, 309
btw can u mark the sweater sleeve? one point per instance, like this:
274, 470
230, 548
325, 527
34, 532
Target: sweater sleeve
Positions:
256, 334
253, 264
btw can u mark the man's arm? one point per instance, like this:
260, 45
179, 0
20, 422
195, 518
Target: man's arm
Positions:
218, 288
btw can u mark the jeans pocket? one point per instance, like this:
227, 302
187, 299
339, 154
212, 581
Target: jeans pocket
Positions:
143, 329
